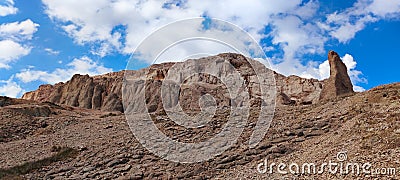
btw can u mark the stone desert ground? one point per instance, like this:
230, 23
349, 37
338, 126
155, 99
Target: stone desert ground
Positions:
77, 129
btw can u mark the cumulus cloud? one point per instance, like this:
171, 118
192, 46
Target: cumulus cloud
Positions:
83, 65
19, 30
345, 24
296, 38
199, 40
355, 75
12, 38
10, 88
7, 8
384, 9
11, 51
122, 24
104, 22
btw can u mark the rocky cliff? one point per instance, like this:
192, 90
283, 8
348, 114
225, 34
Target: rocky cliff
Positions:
98, 92
104, 91
294, 90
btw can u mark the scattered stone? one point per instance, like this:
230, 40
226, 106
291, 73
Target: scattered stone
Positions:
116, 162
289, 133
280, 140
108, 127
299, 139
313, 133
116, 153
229, 159
122, 169
300, 133
87, 169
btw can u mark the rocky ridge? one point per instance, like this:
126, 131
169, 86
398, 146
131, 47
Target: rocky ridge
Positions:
103, 92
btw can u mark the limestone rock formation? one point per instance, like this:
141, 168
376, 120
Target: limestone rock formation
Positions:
339, 82
104, 91
98, 92
193, 86
294, 90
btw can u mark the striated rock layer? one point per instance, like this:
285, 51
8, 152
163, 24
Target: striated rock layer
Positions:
104, 91
294, 90
98, 92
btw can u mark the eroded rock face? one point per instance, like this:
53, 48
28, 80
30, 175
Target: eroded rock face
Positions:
339, 82
98, 92
294, 90
104, 91
186, 83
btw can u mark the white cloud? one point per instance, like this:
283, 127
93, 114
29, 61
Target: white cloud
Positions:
233, 40
358, 88
349, 61
97, 20
296, 36
7, 8
347, 31
384, 8
324, 70
51, 51
12, 38
83, 65
345, 24
355, 75
10, 88
11, 51
18, 30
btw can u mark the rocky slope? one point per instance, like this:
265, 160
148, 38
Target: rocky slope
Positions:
364, 125
104, 92
76, 138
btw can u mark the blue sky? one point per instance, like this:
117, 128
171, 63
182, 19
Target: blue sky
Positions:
50, 40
